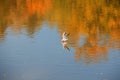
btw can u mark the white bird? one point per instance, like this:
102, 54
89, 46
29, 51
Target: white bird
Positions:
64, 37
64, 40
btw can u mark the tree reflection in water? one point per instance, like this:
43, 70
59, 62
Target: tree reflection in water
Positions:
94, 26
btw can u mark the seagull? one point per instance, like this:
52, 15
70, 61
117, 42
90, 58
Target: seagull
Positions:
64, 37
64, 41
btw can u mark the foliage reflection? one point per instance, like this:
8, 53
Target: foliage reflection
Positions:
94, 26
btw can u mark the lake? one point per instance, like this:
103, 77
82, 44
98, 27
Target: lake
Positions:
31, 46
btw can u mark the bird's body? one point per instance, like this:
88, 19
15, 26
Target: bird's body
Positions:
64, 40
64, 37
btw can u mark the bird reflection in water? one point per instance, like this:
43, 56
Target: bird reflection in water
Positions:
65, 40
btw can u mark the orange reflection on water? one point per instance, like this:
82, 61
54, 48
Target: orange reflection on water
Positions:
97, 21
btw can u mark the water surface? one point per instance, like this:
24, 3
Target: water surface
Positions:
30, 40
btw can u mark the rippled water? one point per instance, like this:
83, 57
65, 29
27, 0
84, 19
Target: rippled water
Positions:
31, 33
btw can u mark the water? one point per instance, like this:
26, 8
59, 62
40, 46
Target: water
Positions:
31, 47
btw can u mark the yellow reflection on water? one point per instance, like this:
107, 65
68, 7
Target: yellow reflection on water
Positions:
95, 22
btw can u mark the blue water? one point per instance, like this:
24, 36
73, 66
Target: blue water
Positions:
42, 57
